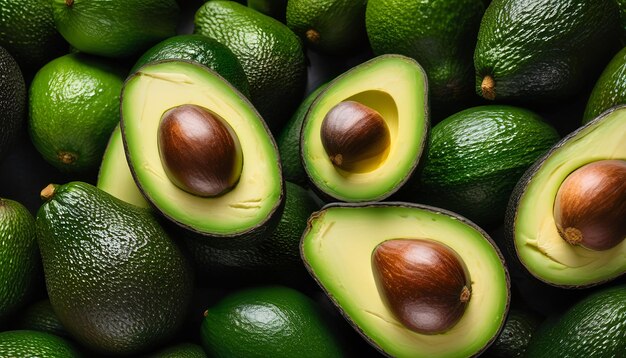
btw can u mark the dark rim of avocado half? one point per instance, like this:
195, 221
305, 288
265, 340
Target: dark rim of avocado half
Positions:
433, 209
259, 229
520, 189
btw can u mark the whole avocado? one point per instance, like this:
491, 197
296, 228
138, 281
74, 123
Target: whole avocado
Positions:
609, 90
12, 100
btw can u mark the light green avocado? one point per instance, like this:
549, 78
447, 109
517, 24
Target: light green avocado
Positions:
394, 86
256, 199
530, 222
337, 249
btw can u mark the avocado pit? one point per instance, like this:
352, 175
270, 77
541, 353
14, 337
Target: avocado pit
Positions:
423, 282
590, 205
199, 150
355, 137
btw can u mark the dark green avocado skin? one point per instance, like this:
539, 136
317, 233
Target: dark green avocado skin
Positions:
540, 50
515, 336
183, 350
26, 343
117, 282
610, 89
40, 317
12, 100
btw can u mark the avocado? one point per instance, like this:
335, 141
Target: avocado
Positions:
274, 8
512, 342
40, 317
476, 156
183, 350
531, 221
270, 53
609, 90
440, 35
230, 152
363, 136
26, 343
543, 50
201, 49
12, 101
330, 26
350, 249
116, 280
267, 321
115, 28
19, 256
594, 327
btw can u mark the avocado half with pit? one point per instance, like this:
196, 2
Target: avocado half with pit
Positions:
199, 151
566, 220
363, 136
413, 280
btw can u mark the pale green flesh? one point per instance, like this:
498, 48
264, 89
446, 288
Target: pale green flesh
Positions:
338, 249
393, 86
159, 87
539, 246
115, 177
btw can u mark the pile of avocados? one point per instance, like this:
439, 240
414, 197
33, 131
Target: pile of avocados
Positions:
317, 178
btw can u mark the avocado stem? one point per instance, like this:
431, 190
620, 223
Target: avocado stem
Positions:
488, 88
465, 294
69, 3
206, 313
48, 192
312, 36
67, 157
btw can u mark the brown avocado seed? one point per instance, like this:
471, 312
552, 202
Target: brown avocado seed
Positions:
199, 150
423, 282
353, 134
590, 206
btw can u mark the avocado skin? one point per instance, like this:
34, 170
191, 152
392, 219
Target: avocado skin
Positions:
610, 89
541, 50
274, 61
35, 344
594, 327
40, 317
115, 279
183, 350
12, 100
515, 336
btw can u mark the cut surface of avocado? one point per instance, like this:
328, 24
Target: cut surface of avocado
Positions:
395, 87
337, 250
530, 218
258, 194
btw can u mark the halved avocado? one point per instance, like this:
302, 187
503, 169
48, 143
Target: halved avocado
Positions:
338, 250
385, 100
176, 114
531, 228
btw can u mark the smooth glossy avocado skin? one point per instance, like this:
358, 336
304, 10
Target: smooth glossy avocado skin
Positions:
530, 230
35, 344
96, 250
337, 250
538, 50
610, 89
12, 100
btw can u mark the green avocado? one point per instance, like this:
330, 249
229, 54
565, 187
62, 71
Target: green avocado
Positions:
622, 12
116, 280
246, 174
35, 344
531, 224
12, 101
363, 136
512, 342
339, 247
610, 89
476, 156
40, 317
271, 55
272, 321
594, 327
183, 350
542, 50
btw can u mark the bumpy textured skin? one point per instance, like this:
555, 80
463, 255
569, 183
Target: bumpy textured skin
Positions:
12, 100
74, 105
271, 55
201, 49
27, 31
269, 321
19, 256
116, 280
440, 35
594, 327
115, 28
184, 350
515, 336
340, 24
610, 89
41, 317
476, 156
35, 344
539, 50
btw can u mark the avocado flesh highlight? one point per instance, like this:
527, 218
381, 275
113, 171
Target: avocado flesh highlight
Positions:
395, 86
538, 244
160, 86
337, 248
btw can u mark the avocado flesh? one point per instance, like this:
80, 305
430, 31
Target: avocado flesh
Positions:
158, 87
538, 244
395, 86
337, 249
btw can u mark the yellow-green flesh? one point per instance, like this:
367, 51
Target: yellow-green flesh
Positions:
338, 249
156, 88
537, 242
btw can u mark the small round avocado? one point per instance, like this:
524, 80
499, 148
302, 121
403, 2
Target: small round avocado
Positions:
12, 100
35, 344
